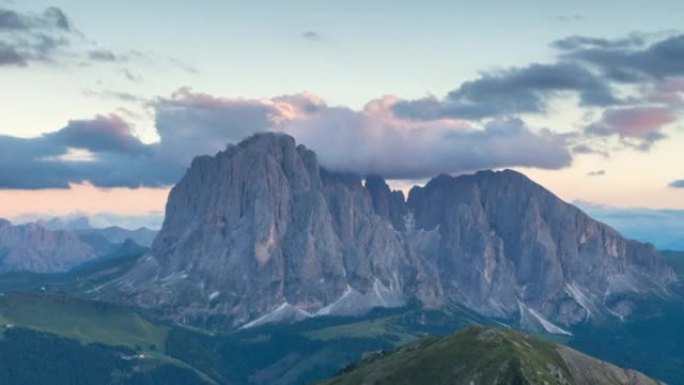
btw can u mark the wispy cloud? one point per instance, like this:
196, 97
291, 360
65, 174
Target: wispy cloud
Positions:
311, 35
597, 173
102, 55
572, 17
34, 37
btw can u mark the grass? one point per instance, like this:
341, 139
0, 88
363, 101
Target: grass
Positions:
363, 329
82, 320
401, 325
476, 355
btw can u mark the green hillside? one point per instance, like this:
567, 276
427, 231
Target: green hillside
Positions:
112, 343
82, 320
29, 357
484, 356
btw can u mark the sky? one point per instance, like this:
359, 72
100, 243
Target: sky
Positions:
104, 105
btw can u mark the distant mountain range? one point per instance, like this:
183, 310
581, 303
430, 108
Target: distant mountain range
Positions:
261, 233
58, 246
113, 234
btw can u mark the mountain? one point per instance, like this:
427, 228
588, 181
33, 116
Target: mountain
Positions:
506, 246
112, 234
56, 246
486, 356
71, 224
32, 247
261, 233
118, 235
675, 259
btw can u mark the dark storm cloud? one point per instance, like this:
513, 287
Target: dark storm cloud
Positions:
518, 90
29, 37
118, 158
630, 60
588, 67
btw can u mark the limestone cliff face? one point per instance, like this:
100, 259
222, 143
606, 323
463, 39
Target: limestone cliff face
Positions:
34, 248
260, 233
508, 246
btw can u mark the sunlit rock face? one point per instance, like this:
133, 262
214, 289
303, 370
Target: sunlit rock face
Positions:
261, 233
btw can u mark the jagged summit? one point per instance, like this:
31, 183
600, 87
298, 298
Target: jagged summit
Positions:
261, 233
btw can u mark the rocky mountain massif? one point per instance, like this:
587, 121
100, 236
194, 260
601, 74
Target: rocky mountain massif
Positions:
262, 233
486, 356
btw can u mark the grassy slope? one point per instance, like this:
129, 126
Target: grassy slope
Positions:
474, 355
483, 356
89, 322
81, 320
402, 326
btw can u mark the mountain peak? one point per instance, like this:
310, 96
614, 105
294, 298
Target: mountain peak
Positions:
261, 233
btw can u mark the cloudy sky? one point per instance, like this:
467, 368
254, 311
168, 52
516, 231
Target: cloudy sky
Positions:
104, 105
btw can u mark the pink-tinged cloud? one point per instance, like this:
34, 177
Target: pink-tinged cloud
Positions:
638, 122
668, 92
643, 124
372, 140
376, 141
